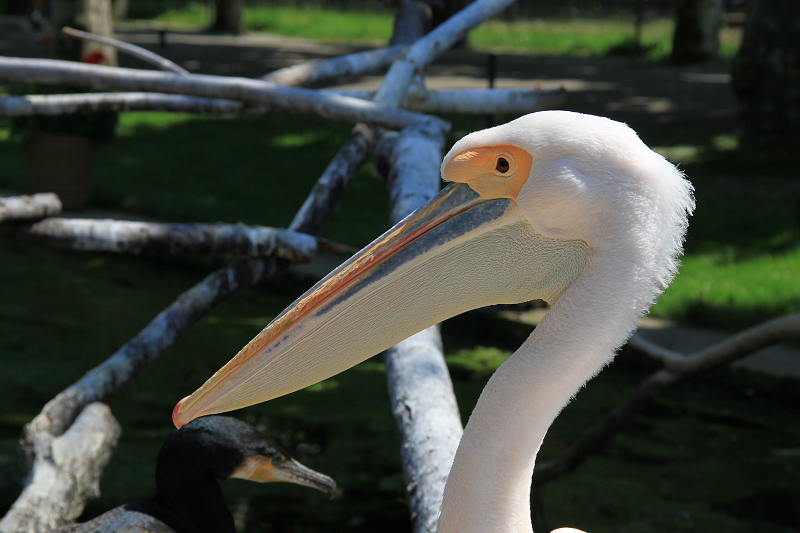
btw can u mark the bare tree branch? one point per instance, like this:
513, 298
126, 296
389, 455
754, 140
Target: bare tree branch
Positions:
678, 368
473, 101
124, 236
58, 414
256, 92
65, 474
354, 151
420, 389
773, 331
656, 351
314, 212
323, 70
465, 101
106, 378
426, 49
481, 101
26, 207
132, 49
65, 104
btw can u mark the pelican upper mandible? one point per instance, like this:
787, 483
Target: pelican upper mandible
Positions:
569, 208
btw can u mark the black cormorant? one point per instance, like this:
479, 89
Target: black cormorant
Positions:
188, 497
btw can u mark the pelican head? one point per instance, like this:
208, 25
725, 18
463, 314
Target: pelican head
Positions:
531, 205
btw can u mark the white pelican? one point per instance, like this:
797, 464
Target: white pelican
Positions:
570, 208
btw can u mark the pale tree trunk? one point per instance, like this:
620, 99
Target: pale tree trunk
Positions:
228, 16
94, 16
766, 75
97, 16
120, 9
444, 9
697, 24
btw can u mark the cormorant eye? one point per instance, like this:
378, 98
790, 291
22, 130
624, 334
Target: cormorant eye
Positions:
277, 459
502, 165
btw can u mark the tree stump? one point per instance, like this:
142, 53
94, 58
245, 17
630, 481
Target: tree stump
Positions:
766, 77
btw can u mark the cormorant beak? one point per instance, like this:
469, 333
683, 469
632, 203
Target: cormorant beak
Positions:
265, 469
458, 252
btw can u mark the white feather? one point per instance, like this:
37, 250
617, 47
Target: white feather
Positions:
593, 180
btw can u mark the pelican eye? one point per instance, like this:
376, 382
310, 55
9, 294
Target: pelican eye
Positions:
502, 165
277, 459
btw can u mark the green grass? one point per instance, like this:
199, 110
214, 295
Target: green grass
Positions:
742, 261
309, 22
581, 37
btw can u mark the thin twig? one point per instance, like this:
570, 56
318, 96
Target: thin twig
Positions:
132, 49
666, 356
752, 339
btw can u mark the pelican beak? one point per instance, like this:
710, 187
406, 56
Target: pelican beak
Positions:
264, 469
458, 252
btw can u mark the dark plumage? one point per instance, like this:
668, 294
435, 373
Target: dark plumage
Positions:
189, 498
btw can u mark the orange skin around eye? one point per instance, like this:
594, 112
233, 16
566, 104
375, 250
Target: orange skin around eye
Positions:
478, 168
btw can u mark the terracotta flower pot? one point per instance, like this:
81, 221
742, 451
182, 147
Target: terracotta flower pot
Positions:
62, 163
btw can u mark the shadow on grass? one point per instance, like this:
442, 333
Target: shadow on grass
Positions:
731, 317
744, 209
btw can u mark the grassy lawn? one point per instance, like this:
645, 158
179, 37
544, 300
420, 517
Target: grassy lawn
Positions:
742, 253
583, 37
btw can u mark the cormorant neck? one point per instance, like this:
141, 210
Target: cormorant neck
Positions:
488, 489
193, 498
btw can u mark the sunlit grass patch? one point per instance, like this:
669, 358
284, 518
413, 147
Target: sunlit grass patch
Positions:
722, 290
564, 36
307, 22
323, 25
580, 37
